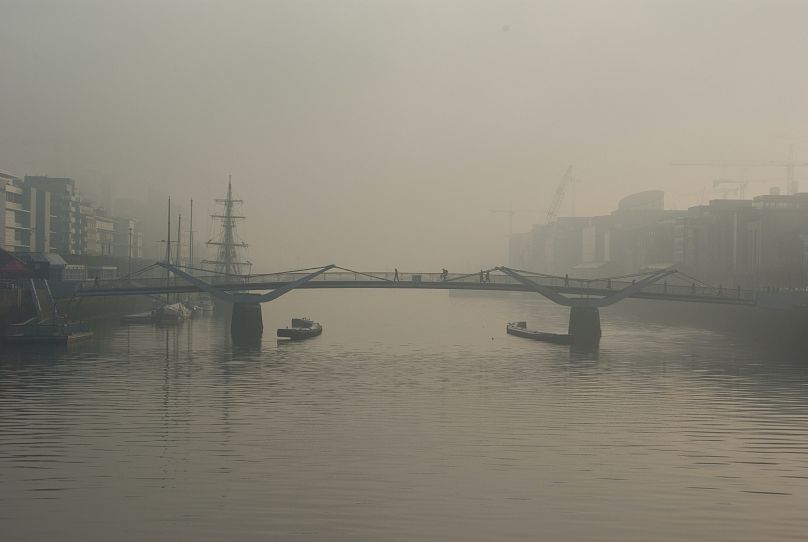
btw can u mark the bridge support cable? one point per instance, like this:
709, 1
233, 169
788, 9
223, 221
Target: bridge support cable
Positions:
547, 292
363, 274
124, 280
470, 275
584, 323
288, 272
605, 301
276, 293
246, 322
531, 273
219, 293
209, 271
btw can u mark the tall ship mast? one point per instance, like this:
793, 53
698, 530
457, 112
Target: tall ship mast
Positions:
228, 247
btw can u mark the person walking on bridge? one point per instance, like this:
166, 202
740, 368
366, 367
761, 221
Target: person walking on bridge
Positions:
395, 276
444, 274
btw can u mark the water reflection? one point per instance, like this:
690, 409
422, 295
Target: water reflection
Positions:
584, 352
34, 353
394, 427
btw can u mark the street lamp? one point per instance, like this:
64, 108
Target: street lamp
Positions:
130, 251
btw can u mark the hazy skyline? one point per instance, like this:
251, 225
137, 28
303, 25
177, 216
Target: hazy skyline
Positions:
381, 134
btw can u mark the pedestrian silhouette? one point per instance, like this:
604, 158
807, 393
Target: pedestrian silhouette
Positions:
395, 276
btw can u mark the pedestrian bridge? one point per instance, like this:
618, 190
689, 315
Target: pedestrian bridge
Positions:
583, 296
668, 284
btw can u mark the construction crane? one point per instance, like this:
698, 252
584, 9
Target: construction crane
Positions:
740, 184
566, 181
792, 184
510, 211
727, 190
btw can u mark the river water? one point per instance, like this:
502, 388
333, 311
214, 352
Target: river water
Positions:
413, 417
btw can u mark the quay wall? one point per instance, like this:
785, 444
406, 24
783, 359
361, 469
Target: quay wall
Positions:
17, 305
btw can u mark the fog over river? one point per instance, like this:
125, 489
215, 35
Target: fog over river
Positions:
413, 417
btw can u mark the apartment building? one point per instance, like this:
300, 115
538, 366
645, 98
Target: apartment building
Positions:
24, 216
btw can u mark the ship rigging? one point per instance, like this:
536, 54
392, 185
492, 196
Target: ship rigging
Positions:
228, 246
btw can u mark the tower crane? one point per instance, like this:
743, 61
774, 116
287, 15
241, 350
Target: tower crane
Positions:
792, 184
566, 181
740, 184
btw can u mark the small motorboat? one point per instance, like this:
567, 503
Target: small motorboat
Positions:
205, 303
519, 329
172, 314
53, 331
302, 328
193, 308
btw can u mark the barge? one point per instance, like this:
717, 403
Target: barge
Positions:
302, 328
519, 329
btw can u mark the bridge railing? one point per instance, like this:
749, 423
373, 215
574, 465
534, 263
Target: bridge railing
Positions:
569, 285
665, 288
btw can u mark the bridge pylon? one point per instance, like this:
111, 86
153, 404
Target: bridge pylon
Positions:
584, 324
246, 321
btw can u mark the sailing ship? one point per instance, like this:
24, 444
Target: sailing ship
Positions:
228, 246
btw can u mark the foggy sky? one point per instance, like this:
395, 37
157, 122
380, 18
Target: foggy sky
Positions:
377, 134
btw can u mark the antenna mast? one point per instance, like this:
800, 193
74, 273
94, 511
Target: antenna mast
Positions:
168, 250
191, 237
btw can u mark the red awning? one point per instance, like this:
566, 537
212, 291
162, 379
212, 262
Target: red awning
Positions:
12, 267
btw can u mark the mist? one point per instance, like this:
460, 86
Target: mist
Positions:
382, 134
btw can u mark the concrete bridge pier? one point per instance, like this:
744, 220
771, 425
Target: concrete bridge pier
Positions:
246, 322
584, 327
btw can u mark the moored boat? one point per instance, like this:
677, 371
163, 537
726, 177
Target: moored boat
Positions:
54, 331
193, 308
205, 303
519, 329
302, 328
172, 314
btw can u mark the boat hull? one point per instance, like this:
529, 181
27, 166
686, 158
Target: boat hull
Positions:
519, 329
32, 332
301, 329
51, 339
172, 314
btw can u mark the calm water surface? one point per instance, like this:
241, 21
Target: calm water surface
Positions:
413, 417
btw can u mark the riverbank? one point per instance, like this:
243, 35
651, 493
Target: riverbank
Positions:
17, 305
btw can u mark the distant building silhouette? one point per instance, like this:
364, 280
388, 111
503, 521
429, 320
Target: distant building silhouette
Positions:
753, 243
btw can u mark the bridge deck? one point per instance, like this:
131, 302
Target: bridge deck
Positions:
423, 281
